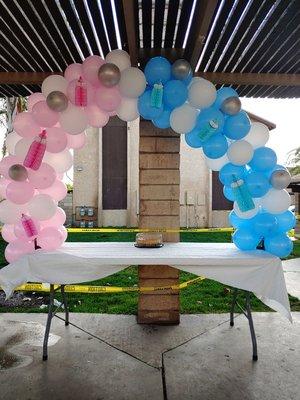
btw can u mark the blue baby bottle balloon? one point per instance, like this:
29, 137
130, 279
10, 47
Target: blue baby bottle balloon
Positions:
241, 194
157, 95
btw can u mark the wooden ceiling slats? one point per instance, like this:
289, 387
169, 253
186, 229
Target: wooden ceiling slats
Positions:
38, 36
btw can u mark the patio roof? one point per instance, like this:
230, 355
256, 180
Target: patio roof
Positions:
251, 45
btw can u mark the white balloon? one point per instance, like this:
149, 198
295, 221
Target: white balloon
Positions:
53, 83
120, 58
258, 135
240, 152
132, 83
12, 139
11, 213
247, 214
42, 207
276, 201
22, 147
215, 164
61, 162
128, 110
74, 120
202, 93
183, 118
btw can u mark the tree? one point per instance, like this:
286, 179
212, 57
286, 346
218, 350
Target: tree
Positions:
293, 161
8, 109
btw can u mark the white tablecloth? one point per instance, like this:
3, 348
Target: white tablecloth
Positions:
256, 271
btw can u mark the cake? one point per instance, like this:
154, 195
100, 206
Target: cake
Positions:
151, 239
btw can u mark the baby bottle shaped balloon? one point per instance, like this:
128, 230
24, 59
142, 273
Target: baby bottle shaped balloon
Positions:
81, 93
157, 95
36, 152
209, 129
29, 226
242, 195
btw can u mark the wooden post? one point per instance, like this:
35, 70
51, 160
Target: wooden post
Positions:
159, 208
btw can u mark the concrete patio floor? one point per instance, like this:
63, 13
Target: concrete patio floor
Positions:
111, 357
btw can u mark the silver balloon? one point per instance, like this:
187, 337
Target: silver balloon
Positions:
231, 106
57, 101
280, 179
18, 173
109, 75
181, 69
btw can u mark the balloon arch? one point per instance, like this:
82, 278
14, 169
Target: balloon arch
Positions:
168, 95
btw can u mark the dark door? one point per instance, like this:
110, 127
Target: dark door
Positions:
114, 165
219, 201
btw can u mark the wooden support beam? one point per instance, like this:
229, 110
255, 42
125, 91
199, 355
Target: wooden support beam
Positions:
223, 78
265, 79
129, 16
202, 18
24, 78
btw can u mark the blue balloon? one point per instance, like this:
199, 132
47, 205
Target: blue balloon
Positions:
265, 224
230, 172
286, 221
228, 193
158, 69
175, 94
245, 239
210, 116
216, 146
145, 108
264, 159
257, 184
188, 79
237, 126
192, 139
238, 222
163, 121
280, 245
276, 168
223, 94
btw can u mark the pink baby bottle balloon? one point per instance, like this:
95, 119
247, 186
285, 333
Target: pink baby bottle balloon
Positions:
36, 152
29, 226
81, 93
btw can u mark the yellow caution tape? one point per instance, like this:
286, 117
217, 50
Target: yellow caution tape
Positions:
42, 287
156, 230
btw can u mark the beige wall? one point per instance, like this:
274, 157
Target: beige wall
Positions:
88, 178
195, 188
86, 175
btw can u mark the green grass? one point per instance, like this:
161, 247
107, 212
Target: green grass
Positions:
204, 297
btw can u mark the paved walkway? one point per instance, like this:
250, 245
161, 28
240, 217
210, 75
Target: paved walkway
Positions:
292, 276
111, 357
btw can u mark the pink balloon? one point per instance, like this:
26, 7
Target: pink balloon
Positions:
17, 249
20, 232
76, 141
108, 99
33, 99
58, 190
90, 91
64, 232
19, 192
73, 71
96, 117
56, 140
25, 125
6, 163
50, 238
112, 113
7, 233
90, 68
43, 115
59, 218
3, 185
43, 178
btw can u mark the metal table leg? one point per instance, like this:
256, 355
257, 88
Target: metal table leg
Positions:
52, 313
247, 312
